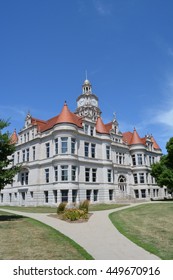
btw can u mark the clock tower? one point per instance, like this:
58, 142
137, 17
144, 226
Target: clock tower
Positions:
87, 102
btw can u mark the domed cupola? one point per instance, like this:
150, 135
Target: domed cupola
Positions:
87, 102
87, 87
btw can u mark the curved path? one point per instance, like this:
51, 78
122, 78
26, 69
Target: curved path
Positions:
98, 236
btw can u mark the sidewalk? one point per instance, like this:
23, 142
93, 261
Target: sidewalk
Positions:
98, 236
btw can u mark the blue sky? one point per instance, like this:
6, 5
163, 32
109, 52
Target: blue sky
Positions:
125, 45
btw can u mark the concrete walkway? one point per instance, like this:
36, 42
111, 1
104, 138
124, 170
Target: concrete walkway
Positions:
98, 236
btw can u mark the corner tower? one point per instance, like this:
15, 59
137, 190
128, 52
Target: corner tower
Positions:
87, 103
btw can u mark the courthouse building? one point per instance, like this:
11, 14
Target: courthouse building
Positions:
75, 156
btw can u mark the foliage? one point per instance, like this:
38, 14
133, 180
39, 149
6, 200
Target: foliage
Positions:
74, 214
163, 171
84, 205
6, 150
61, 207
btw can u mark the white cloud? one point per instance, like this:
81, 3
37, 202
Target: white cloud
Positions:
102, 8
164, 117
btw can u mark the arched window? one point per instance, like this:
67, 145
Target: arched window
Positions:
122, 183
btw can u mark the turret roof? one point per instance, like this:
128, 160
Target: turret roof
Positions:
100, 126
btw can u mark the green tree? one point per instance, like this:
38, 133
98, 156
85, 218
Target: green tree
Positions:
163, 171
7, 171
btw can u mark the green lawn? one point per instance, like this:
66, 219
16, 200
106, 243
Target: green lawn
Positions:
150, 226
39, 209
104, 206
44, 209
23, 238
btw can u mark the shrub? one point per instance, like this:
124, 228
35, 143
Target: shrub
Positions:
84, 205
61, 207
74, 214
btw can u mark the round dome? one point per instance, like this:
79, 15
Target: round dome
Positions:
87, 82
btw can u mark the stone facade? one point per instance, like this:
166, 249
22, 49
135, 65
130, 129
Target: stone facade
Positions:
75, 156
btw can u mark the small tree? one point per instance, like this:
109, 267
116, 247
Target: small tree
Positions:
7, 172
163, 171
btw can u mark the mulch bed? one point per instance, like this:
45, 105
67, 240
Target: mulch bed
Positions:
59, 216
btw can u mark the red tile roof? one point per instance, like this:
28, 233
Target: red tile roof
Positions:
100, 127
155, 145
132, 138
127, 137
108, 126
135, 138
14, 138
66, 116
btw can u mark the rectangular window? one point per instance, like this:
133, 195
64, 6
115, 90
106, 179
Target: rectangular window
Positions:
64, 173
91, 130
15, 195
86, 149
107, 152
32, 194
87, 174
56, 146
73, 173
55, 196
94, 174
120, 158
139, 156
27, 136
88, 195
46, 196
64, 145
10, 196
22, 178
93, 150
95, 195
74, 196
47, 175
33, 153
111, 194
136, 193
26, 178
18, 157
56, 173
133, 159
135, 178
47, 150
109, 174
1, 197
86, 128
73, 144
141, 178
27, 154
23, 155
143, 193
64, 195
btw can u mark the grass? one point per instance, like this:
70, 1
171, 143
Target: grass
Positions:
47, 209
150, 226
38, 209
104, 206
23, 238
